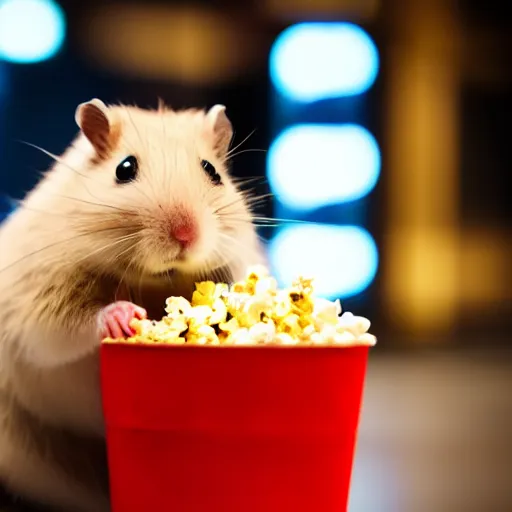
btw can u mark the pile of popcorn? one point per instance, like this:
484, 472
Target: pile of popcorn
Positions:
253, 312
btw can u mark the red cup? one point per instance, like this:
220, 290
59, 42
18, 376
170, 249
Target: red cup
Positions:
231, 429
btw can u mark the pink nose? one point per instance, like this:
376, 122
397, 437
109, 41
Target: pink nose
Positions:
185, 233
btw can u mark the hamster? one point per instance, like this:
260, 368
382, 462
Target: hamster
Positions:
138, 208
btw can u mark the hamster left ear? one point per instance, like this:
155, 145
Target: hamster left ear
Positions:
93, 119
220, 126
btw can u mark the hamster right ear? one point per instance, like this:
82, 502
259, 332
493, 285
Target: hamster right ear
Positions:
220, 126
93, 119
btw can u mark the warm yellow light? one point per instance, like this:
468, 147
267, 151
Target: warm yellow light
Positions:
485, 265
423, 277
421, 273
356, 10
195, 45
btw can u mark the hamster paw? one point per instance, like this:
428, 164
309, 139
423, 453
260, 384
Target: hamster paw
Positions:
114, 320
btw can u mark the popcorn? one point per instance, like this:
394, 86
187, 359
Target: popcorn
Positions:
205, 335
355, 324
367, 339
256, 310
230, 326
253, 312
141, 327
285, 339
256, 272
326, 310
176, 306
266, 285
199, 315
219, 312
203, 294
343, 338
290, 325
262, 332
239, 288
241, 337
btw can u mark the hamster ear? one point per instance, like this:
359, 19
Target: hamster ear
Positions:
220, 126
93, 119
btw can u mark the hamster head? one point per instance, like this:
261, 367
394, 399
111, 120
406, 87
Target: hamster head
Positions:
157, 182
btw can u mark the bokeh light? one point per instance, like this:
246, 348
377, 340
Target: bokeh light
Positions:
30, 30
313, 61
316, 165
343, 260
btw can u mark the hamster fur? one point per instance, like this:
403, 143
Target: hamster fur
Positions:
137, 209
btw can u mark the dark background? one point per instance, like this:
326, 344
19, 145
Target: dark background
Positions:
440, 214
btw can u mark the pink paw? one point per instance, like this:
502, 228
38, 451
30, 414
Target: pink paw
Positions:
114, 319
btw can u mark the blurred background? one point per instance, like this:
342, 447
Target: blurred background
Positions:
380, 127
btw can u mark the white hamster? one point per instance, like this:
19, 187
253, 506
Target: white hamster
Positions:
138, 208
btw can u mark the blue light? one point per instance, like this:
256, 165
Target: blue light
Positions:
315, 165
314, 61
30, 30
343, 260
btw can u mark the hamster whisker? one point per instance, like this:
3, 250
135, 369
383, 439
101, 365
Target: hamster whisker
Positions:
109, 245
59, 160
246, 151
248, 201
252, 192
62, 162
125, 273
228, 220
231, 241
141, 278
251, 179
238, 200
283, 221
240, 178
250, 195
224, 260
232, 150
166, 172
117, 257
227, 256
257, 200
77, 215
252, 198
208, 270
66, 240
216, 274
263, 221
220, 275
168, 275
136, 128
131, 263
92, 203
255, 205
144, 145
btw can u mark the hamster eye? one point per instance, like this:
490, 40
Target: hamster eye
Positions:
212, 173
127, 170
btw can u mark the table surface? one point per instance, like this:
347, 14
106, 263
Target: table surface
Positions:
435, 434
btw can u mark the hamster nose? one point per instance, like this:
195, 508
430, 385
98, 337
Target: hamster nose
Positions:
184, 234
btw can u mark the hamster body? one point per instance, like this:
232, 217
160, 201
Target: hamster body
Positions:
139, 208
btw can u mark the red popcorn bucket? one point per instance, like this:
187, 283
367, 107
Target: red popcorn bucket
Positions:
231, 429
